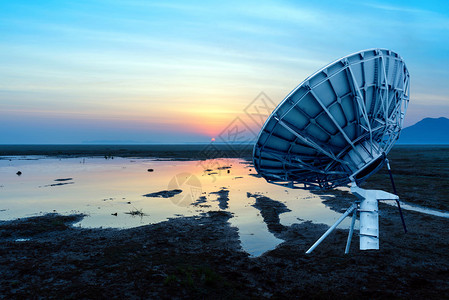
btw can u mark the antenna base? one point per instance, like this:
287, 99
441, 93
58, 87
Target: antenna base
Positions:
369, 215
369, 218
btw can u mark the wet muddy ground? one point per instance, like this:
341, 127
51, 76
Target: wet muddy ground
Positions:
201, 257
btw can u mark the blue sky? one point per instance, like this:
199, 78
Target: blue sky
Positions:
176, 71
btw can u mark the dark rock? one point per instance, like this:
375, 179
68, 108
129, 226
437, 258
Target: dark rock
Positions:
63, 179
223, 168
164, 194
61, 183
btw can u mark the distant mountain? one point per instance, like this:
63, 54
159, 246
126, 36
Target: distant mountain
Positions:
426, 131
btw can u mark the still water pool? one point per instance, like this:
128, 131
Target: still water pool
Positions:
111, 193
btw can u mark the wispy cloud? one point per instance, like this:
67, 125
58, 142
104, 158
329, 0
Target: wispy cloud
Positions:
169, 61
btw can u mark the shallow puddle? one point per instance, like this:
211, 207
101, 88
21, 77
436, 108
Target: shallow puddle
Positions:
118, 193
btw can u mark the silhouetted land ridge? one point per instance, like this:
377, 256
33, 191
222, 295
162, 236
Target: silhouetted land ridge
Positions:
172, 151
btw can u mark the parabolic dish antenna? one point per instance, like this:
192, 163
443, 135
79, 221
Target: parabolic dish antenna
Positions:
336, 128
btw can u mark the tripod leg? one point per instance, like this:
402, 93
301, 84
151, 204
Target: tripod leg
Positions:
351, 231
331, 228
394, 189
402, 216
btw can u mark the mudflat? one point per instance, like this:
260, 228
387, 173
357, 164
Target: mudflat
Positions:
201, 257
171, 151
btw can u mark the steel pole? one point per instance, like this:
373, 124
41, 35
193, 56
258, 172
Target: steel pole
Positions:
331, 229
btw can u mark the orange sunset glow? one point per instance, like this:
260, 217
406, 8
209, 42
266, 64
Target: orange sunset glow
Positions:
149, 72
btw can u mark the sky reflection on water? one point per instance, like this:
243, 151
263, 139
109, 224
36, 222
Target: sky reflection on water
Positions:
101, 188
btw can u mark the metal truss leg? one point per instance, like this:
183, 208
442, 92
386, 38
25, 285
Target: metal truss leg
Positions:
351, 231
332, 228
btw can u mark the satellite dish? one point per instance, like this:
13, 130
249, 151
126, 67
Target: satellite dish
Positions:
336, 128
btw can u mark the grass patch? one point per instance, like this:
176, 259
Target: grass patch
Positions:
200, 280
136, 212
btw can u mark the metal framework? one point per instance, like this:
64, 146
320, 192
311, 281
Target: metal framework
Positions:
338, 124
367, 207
